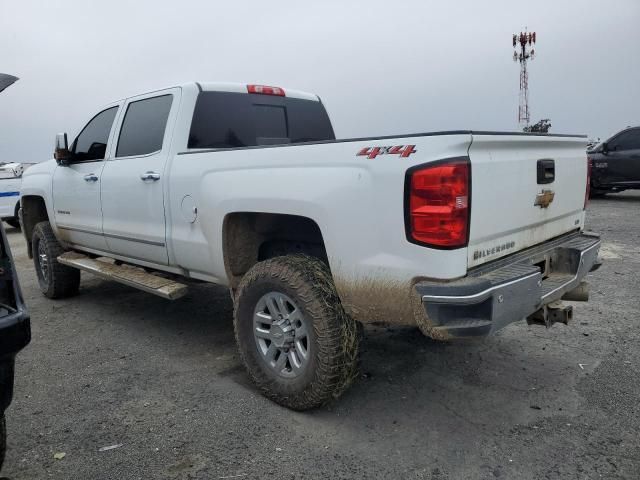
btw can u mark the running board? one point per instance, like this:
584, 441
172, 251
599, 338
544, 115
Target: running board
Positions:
129, 275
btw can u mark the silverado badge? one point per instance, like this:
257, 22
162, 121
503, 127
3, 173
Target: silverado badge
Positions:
544, 199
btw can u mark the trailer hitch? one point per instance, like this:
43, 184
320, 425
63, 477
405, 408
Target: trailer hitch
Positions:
555, 312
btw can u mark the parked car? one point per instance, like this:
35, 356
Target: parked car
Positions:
15, 327
615, 164
10, 182
459, 233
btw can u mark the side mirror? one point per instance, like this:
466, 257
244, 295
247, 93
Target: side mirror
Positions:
605, 147
62, 153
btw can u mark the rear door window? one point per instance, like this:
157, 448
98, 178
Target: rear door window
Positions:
143, 126
228, 120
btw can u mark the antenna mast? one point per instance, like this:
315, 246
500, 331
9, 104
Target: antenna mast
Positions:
523, 43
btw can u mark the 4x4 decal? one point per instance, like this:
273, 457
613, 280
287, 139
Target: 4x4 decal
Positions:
402, 150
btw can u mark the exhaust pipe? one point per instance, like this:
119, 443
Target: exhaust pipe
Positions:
555, 312
578, 294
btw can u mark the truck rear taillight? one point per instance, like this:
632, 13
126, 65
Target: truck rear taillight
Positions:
588, 189
265, 90
438, 204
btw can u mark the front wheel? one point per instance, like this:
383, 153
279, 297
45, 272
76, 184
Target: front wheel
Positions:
296, 341
55, 279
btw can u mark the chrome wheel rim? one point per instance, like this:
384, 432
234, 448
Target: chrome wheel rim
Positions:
43, 261
282, 335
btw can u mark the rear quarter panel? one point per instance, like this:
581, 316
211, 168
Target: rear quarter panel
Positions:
358, 204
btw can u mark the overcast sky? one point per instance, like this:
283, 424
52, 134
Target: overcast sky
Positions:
381, 67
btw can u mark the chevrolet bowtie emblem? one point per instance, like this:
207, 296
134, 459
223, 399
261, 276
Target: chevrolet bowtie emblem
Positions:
544, 199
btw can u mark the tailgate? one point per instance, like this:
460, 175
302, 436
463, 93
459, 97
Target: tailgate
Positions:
513, 206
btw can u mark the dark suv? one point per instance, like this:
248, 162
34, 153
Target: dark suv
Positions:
15, 328
15, 331
615, 164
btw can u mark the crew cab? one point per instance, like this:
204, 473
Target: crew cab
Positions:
457, 232
616, 163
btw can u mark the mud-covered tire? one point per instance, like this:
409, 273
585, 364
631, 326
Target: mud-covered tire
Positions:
332, 341
55, 280
3, 439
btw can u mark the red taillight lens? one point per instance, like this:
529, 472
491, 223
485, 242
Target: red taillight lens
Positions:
438, 204
265, 90
588, 189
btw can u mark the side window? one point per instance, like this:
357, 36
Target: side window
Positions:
143, 126
629, 140
91, 144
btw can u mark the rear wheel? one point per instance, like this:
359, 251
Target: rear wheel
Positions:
55, 280
297, 342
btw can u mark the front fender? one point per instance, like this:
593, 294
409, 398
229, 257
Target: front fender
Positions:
37, 182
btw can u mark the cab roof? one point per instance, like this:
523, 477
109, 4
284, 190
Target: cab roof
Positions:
243, 88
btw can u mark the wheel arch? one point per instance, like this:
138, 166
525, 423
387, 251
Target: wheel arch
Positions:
250, 237
33, 211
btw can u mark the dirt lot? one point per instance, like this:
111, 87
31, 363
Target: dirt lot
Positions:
116, 366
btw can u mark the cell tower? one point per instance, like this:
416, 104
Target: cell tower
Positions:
523, 44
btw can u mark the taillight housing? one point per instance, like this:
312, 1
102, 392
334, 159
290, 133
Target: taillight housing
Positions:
588, 189
438, 203
266, 90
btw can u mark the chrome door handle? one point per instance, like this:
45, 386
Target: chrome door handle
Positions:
150, 176
92, 177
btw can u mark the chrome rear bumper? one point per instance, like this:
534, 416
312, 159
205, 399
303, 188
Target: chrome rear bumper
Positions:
509, 289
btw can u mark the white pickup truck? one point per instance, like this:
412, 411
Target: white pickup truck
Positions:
459, 233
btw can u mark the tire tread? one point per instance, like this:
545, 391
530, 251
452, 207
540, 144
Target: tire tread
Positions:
65, 280
336, 332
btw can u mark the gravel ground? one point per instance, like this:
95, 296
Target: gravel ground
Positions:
114, 366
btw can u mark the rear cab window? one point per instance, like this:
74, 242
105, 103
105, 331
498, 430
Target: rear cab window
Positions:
232, 120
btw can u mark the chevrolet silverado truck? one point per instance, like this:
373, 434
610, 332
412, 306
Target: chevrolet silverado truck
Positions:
458, 232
